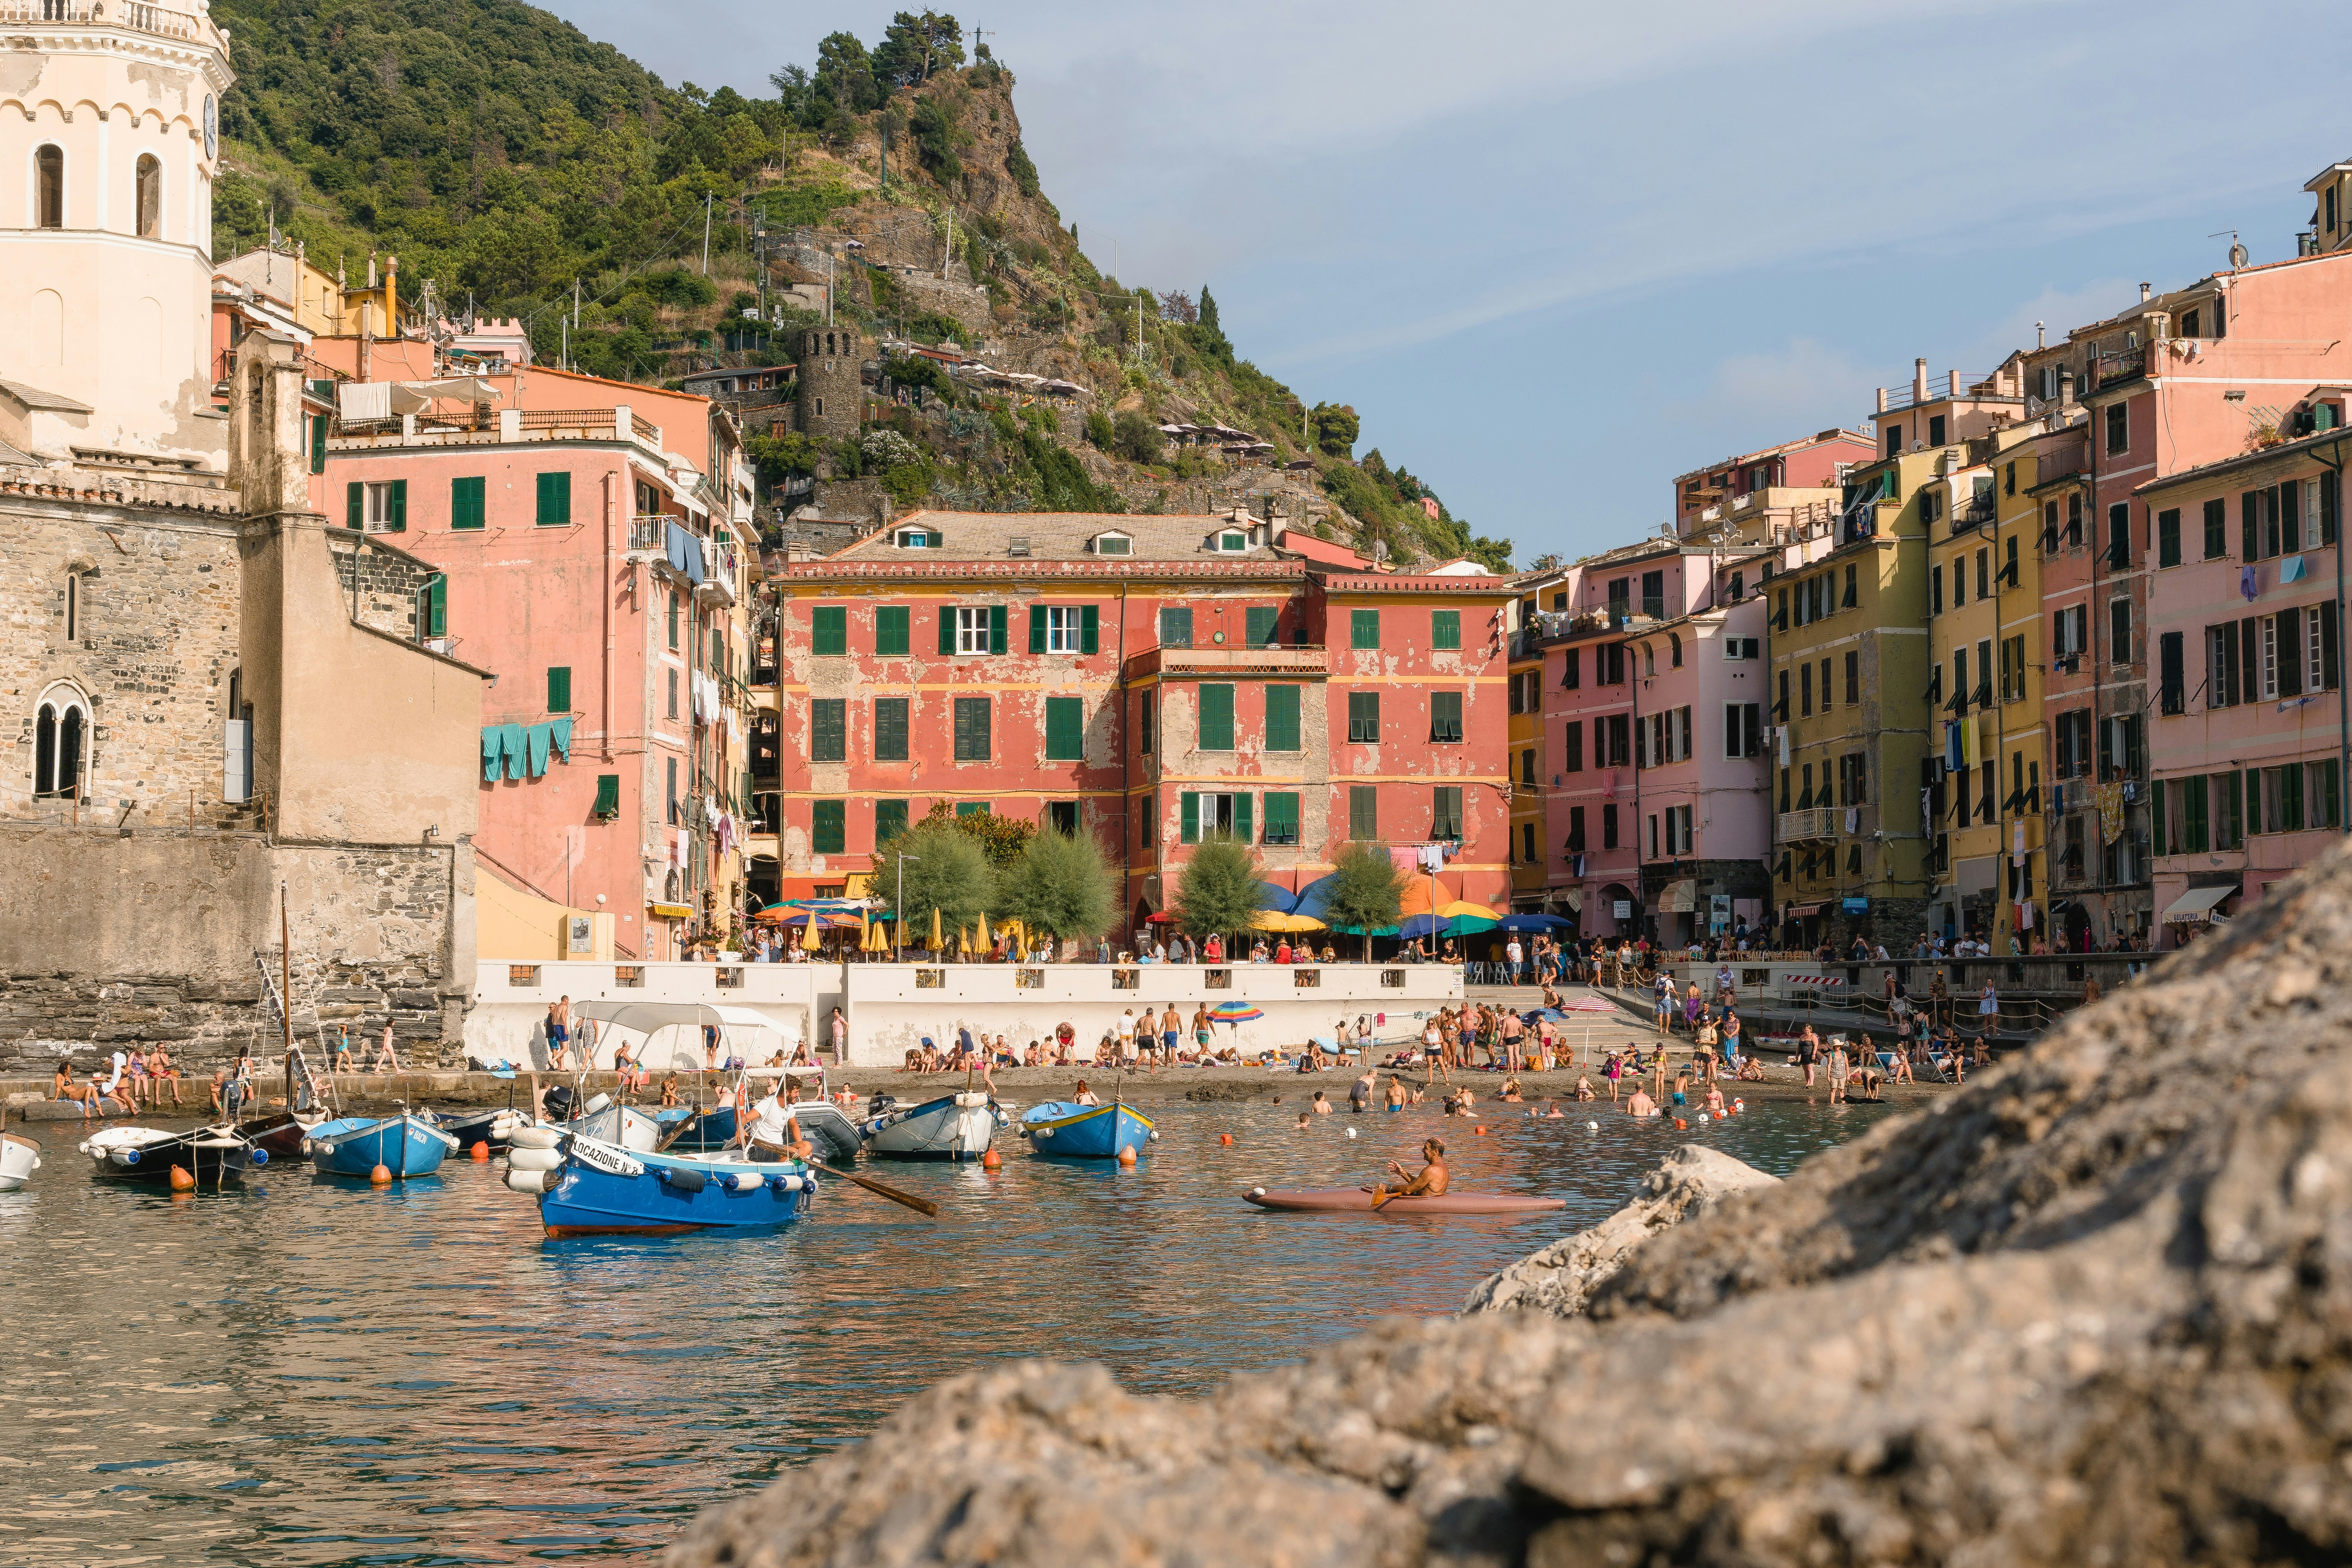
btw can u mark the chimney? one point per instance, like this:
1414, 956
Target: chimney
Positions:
2143, 293
1919, 380
2066, 384
2040, 336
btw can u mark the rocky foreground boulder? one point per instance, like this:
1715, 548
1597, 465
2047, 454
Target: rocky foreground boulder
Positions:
2094, 1308
1561, 1278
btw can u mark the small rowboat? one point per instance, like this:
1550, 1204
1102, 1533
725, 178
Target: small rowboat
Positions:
1358, 1200
19, 1158
148, 1154
405, 1145
1071, 1131
953, 1127
280, 1134
591, 1188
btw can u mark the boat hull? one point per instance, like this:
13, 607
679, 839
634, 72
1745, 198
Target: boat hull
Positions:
600, 1190
710, 1130
953, 1127
19, 1158
495, 1127
355, 1146
210, 1154
1358, 1200
623, 1124
1085, 1132
282, 1136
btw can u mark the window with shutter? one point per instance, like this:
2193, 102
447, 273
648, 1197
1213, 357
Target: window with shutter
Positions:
1189, 804
1263, 621
467, 506
608, 796
1143, 732
890, 729
1445, 628
318, 443
829, 631
554, 500
1175, 629
433, 608
1445, 812
890, 820
828, 827
972, 730
1281, 721
1363, 628
1364, 718
559, 689
1240, 826
996, 628
891, 630
1445, 718
1089, 628
1281, 817
1572, 736
1363, 813
1216, 719
1066, 729
829, 730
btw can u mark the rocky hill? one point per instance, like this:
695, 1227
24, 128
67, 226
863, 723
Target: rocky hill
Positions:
518, 167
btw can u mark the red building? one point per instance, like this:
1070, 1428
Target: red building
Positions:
1151, 680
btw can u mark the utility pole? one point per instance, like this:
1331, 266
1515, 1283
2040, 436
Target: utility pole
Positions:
706, 236
565, 323
575, 301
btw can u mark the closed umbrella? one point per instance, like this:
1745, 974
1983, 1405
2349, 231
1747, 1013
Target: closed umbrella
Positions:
980, 937
935, 928
809, 944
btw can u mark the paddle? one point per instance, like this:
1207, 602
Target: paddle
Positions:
923, 1206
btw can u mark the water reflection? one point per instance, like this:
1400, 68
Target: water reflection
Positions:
309, 1372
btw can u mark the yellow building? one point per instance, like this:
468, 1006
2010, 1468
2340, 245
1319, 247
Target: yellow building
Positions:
1984, 639
1525, 738
321, 303
1852, 674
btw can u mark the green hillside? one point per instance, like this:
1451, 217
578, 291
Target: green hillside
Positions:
506, 158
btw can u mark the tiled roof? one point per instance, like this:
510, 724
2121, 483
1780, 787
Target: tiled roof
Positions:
1053, 536
908, 565
1397, 583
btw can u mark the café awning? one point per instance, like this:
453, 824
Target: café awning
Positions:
2196, 905
1681, 898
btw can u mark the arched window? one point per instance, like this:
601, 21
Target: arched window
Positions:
60, 746
49, 186
151, 196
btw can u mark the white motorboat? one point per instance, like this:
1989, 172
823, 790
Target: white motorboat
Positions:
19, 1158
953, 1127
623, 1124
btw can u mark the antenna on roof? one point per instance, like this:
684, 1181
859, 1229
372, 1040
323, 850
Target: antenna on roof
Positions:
2238, 253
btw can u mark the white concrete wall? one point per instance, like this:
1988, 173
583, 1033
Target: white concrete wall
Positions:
510, 999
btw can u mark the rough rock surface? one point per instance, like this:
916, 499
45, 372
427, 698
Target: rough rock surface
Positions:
2095, 1309
1561, 1277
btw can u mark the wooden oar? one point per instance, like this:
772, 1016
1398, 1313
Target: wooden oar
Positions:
923, 1206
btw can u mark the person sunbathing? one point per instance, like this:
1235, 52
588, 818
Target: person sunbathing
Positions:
1429, 1182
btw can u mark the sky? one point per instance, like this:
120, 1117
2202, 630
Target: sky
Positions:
1555, 255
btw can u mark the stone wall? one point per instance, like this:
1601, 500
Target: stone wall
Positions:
151, 935
380, 583
158, 606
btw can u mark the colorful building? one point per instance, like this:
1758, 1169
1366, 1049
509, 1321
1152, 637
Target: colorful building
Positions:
2248, 718
1530, 835
1151, 680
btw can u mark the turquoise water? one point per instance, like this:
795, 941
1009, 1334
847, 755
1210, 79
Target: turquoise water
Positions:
311, 1372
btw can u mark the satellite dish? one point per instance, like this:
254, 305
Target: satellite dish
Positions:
2238, 255
2033, 407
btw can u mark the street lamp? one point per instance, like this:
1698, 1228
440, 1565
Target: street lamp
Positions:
899, 926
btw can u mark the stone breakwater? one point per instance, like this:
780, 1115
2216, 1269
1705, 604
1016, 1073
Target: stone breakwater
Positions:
2097, 1307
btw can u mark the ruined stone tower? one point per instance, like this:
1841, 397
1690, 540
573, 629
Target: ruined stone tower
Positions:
832, 400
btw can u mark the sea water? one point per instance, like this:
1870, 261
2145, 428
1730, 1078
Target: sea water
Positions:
308, 1372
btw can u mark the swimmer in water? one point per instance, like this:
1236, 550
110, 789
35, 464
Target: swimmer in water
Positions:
1305, 1120
1641, 1104
1429, 1182
1555, 1113
1321, 1107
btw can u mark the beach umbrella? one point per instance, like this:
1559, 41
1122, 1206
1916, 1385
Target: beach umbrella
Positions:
1279, 899
1546, 923
865, 932
963, 940
809, 944
980, 937
1590, 1003
935, 928
1234, 1012
1274, 920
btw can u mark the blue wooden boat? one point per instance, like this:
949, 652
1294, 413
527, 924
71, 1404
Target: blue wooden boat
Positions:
1065, 1128
604, 1190
355, 1145
709, 1130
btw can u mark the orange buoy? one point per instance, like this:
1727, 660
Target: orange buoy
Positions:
1225, 1138
1479, 1131
481, 1151
990, 1161
180, 1181
379, 1177
1127, 1156
1680, 1123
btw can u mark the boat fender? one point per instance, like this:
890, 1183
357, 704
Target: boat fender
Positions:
537, 1137
261, 1156
596, 1104
526, 1158
1154, 1135
306, 1148
1043, 1133
684, 1180
529, 1180
747, 1182
127, 1156
1257, 1192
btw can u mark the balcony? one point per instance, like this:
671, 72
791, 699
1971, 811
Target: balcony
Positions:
137, 17
1301, 659
1813, 826
2122, 366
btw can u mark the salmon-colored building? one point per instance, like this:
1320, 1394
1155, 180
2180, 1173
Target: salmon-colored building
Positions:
1151, 680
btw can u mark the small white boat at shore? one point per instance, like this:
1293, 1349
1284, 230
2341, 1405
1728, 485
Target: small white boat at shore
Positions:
19, 1158
953, 1127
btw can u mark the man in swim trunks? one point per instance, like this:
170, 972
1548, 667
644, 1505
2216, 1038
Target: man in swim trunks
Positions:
1360, 1094
1428, 1182
1396, 1097
1641, 1104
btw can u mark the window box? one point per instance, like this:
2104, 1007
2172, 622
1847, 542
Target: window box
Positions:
930, 979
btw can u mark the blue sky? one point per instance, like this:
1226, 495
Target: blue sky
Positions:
1555, 255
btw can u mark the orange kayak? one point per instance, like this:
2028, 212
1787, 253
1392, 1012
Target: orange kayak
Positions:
1358, 1200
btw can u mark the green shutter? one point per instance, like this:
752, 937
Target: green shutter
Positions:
1216, 719
972, 737
996, 628
2331, 794
355, 507
318, 443
559, 689
1281, 726
1445, 628
890, 729
1363, 813
1263, 620
608, 795
829, 730
1190, 805
467, 508
891, 630
1448, 812
1065, 728
433, 608
1363, 628
828, 827
889, 819
946, 629
1036, 628
829, 631
2158, 835
1281, 817
2237, 808
2291, 797
972, 808
1244, 831
554, 500
2193, 816
1091, 628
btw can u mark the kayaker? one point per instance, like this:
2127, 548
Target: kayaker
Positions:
1429, 1182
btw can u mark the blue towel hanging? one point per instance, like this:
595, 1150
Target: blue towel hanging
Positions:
560, 731
535, 740
514, 746
494, 750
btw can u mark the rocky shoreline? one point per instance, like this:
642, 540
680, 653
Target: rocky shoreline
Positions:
2097, 1307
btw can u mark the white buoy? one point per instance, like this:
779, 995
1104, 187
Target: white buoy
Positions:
1593, 1126
1352, 1132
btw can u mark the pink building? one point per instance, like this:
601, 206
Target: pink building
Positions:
1724, 491
2249, 703
2181, 381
